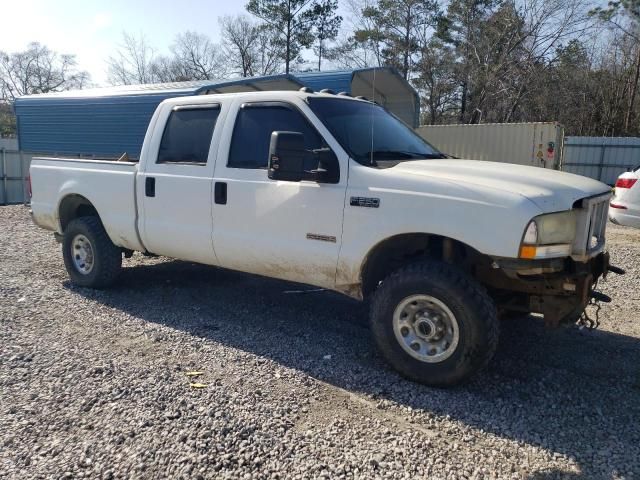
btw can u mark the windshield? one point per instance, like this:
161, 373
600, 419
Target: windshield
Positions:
370, 134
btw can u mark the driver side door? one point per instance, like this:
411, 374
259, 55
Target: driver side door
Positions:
284, 229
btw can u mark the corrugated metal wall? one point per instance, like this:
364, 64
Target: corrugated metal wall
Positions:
536, 144
106, 126
14, 169
601, 158
110, 121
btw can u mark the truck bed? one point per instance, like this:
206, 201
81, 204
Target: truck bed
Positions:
110, 186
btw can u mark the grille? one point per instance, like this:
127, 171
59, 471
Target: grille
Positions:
592, 224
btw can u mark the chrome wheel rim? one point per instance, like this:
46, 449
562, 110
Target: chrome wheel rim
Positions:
426, 328
82, 254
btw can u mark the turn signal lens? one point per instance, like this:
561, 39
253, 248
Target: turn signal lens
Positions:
626, 182
528, 251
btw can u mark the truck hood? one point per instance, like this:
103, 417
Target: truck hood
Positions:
550, 190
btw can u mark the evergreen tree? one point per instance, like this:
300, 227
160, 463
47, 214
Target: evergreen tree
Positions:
325, 24
291, 20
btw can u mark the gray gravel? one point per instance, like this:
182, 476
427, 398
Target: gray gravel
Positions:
93, 384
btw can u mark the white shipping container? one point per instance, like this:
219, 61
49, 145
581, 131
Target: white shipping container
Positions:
538, 144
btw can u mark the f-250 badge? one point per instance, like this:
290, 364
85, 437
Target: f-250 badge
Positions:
365, 202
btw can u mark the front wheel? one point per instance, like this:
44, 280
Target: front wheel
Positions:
90, 257
434, 323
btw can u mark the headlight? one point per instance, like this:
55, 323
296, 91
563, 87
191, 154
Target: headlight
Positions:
549, 236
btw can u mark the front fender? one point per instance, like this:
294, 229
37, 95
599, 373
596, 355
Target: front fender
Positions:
489, 221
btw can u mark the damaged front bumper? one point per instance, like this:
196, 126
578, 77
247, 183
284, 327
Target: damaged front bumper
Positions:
559, 289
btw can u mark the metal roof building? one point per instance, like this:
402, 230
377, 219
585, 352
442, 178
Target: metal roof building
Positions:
114, 120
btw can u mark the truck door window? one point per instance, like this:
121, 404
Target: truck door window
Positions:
187, 135
253, 128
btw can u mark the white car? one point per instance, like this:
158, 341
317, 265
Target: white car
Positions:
624, 208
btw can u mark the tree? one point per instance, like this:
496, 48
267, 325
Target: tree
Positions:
132, 63
573, 99
290, 20
362, 47
437, 82
325, 24
34, 70
193, 56
239, 38
168, 69
462, 27
398, 25
502, 46
624, 15
268, 52
197, 57
250, 48
38, 70
7, 119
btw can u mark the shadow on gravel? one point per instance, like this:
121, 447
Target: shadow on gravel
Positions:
571, 393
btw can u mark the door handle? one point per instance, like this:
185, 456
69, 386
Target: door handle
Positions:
220, 193
150, 186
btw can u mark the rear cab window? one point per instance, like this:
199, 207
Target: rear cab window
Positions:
187, 135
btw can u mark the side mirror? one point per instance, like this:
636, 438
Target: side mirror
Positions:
286, 156
290, 161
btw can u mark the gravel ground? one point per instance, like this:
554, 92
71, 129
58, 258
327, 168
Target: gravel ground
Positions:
93, 384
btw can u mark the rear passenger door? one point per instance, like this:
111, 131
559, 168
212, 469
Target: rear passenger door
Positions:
281, 229
176, 185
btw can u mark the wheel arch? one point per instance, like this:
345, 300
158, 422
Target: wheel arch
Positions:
74, 206
399, 250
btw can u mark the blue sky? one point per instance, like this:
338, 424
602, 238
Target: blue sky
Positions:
91, 29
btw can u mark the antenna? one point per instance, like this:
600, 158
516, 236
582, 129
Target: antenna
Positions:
373, 96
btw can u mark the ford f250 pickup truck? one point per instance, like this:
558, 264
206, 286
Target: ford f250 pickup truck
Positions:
336, 192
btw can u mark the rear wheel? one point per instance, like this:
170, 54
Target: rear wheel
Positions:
434, 323
91, 259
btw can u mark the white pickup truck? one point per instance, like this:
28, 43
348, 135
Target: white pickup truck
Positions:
335, 192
